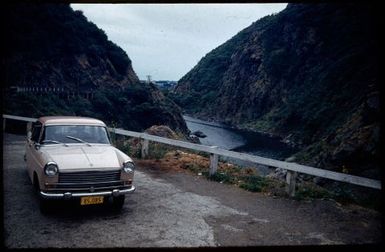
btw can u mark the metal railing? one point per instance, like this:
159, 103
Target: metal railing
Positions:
215, 152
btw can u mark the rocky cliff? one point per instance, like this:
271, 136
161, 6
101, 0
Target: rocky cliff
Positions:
57, 62
307, 74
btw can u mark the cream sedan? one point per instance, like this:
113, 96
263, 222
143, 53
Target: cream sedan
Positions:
72, 158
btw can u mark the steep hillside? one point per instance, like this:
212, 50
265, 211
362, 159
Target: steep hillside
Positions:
307, 74
57, 62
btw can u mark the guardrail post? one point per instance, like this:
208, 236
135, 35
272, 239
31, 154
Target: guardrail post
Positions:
144, 150
29, 127
4, 123
291, 177
213, 162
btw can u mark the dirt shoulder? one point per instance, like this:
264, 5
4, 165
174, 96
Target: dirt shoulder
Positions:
271, 220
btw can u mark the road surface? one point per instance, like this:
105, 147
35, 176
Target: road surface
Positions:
176, 210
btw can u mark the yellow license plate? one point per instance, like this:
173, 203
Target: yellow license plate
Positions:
91, 200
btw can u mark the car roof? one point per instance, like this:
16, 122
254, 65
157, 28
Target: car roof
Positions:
70, 120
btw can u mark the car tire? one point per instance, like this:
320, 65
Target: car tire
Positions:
118, 202
45, 205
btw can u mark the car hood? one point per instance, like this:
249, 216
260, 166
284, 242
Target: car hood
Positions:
83, 156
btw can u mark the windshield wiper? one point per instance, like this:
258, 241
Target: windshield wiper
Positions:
52, 141
78, 139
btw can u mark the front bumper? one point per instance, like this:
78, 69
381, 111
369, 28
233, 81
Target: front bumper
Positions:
70, 195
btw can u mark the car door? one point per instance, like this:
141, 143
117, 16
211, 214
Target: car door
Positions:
32, 149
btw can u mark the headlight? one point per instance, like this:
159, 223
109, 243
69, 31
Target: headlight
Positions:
128, 166
51, 169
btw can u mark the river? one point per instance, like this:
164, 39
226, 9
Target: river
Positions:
241, 141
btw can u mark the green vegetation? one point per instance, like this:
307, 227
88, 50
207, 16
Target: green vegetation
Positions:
307, 72
51, 31
222, 177
210, 69
254, 183
132, 108
157, 151
52, 46
341, 193
310, 191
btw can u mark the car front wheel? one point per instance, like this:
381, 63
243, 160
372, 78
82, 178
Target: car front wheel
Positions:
118, 202
45, 204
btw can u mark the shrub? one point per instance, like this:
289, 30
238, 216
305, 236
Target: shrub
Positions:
253, 183
222, 177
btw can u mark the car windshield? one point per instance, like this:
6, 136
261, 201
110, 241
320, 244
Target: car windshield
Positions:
75, 134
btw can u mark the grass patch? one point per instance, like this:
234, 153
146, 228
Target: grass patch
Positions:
308, 191
157, 151
341, 193
245, 178
195, 168
221, 177
254, 183
366, 197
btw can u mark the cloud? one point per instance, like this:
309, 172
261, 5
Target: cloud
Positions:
167, 40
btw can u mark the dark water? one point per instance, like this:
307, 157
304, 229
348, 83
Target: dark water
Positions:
241, 141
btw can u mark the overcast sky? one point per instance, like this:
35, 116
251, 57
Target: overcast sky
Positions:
167, 40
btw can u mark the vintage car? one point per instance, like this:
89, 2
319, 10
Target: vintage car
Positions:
72, 158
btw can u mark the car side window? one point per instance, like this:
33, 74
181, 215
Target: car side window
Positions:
36, 128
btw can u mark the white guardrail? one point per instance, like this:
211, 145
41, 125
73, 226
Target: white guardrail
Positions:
292, 168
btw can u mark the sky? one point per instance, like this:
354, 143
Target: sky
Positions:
166, 41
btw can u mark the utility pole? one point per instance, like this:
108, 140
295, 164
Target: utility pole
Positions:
148, 79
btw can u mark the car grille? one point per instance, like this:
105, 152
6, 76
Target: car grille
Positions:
89, 176
88, 179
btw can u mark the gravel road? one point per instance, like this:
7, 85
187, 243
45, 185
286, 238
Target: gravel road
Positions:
176, 210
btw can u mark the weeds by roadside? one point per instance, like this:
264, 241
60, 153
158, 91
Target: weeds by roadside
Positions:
245, 178
167, 157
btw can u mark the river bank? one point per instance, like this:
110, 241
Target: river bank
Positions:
249, 142
255, 143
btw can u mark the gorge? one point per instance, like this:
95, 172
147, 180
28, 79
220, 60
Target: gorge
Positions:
307, 75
